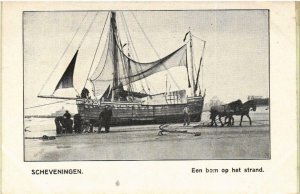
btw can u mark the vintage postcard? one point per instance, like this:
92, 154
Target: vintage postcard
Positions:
97, 95
147, 110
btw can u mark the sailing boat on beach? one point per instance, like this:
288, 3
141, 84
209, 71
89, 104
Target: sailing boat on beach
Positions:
116, 73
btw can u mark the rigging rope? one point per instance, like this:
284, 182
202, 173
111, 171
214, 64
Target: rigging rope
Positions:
63, 52
135, 53
130, 40
87, 30
106, 57
202, 78
201, 61
128, 45
203, 64
154, 49
127, 30
47, 104
107, 53
198, 38
122, 60
96, 49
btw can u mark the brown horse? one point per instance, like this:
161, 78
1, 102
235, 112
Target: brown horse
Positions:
245, 109
226, 110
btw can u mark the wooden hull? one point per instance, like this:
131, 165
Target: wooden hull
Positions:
125, 113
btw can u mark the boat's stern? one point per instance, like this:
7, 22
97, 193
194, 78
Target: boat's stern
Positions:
195, 105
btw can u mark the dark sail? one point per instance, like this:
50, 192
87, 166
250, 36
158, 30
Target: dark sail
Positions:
66, 81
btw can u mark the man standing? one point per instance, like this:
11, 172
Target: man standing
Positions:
77, 123
186, 116
68, 122
105, 117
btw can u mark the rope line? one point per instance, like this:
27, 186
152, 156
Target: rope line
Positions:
108, 39
47, 104
154, 49
89, 28
140, 69
201, 67
128, 45
96, 50
198, 38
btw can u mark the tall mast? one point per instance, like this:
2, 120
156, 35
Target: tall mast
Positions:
115, 57
129, 72
192, 63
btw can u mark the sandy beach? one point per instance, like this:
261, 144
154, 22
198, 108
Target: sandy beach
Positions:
144, 143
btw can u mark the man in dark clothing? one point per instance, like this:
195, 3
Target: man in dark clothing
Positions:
67, 115
186, 118
77, 123
85, 93
105, 117
68, 122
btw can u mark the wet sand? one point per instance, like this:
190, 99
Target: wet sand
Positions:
144, 143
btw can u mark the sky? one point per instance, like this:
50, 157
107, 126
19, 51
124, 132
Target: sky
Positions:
235, 63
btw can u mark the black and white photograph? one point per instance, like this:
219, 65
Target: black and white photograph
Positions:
146, 85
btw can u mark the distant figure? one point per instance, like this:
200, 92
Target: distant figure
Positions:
77, 123
85, 93
105, 117
186, 116
68, 123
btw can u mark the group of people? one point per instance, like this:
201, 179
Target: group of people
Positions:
64, 124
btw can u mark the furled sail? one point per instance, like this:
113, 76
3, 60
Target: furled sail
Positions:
66, 81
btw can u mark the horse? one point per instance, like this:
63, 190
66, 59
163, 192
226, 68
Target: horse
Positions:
226, 110
245, 109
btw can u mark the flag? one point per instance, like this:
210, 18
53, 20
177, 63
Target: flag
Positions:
185, 36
